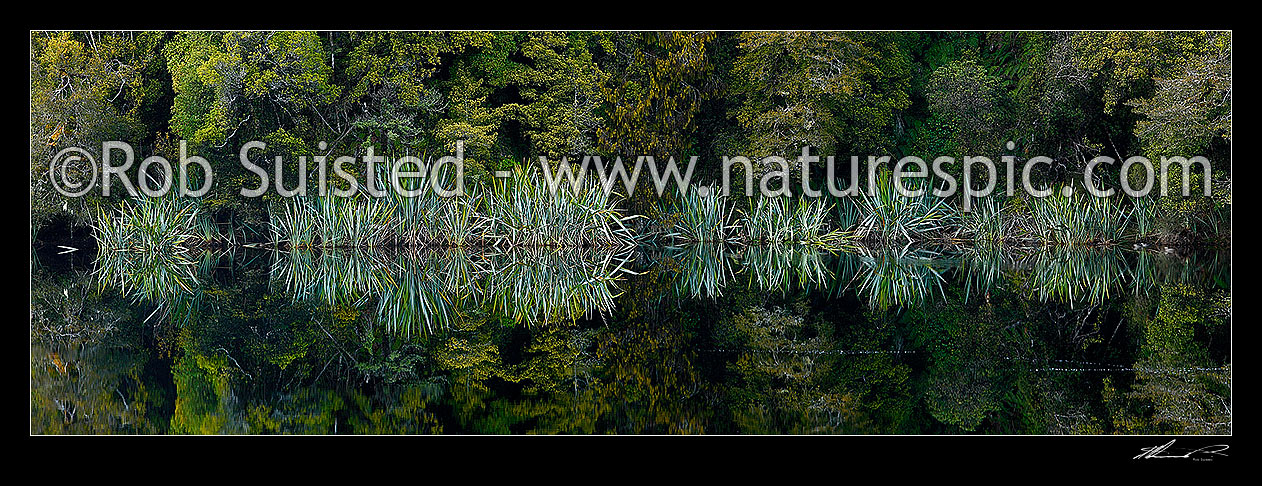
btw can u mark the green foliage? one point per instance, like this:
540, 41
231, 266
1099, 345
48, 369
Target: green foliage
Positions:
1128, 63
520, 212
969, 100
511, 309
888, 214
1079, 220
804, 221
705, 218
526, 211
833, 91
654, 92
1192, 107
519, 95
86, 88
222, 80
560, 91
989, 222
164, 224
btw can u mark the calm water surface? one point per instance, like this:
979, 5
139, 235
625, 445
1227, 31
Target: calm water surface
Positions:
704, 339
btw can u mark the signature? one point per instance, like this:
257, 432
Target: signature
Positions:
1158, 452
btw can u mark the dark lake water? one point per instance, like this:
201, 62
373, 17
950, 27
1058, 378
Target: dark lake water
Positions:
703, 339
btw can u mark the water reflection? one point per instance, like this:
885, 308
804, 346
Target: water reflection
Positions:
705, 338
902, 277
424, 290
780, 267
703, 270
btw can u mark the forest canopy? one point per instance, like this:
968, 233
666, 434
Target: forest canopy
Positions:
511, 97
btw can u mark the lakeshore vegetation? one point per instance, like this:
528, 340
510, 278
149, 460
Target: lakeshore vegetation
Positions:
512, 310
510, 97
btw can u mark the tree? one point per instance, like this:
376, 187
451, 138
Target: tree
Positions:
654, 92
969, 100
833, 91
560, 91
88, 88
235, 87
1192, 107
